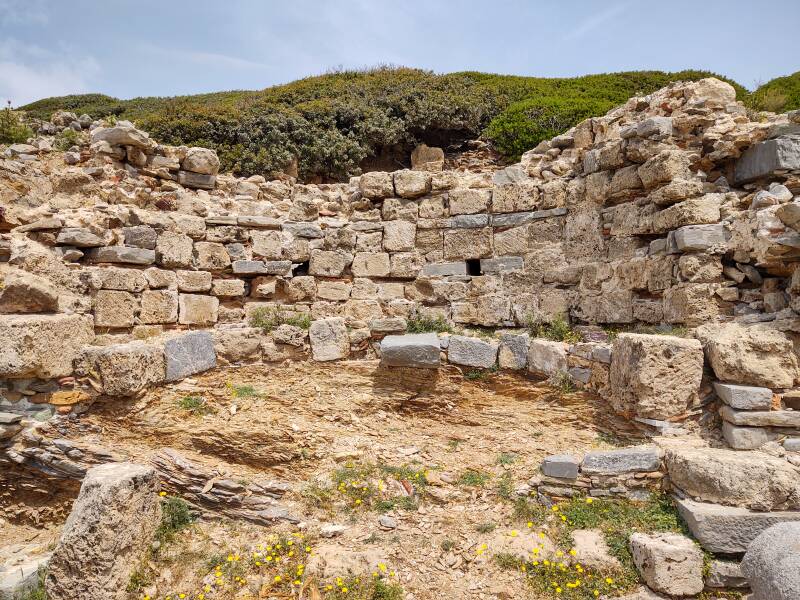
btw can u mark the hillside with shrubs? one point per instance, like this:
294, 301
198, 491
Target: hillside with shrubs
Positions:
338, 124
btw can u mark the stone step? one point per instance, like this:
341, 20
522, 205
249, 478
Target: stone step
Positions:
744, 397
728, 529
761, 418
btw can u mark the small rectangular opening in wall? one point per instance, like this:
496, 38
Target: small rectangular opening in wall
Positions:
301, 269
473, 266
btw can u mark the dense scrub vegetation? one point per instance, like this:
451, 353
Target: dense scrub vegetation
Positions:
779, 95
337, 123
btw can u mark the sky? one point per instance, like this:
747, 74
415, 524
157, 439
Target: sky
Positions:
128, 48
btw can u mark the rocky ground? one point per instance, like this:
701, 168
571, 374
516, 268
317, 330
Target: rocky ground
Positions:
473, 442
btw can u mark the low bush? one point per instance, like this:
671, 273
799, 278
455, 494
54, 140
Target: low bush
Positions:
12, 129
267, 319
423, 324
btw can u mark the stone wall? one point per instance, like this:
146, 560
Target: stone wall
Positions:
674, 210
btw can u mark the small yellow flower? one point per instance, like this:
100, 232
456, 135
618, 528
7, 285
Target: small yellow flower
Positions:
344, 590
382, 567
609, 581
558, 590
514, 533
596, 593
589, 501
277, 578
162, 494
181, 596
530, 524
572, 552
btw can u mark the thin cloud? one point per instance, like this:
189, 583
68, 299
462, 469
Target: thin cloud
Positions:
595, 21
23, 12
208, 59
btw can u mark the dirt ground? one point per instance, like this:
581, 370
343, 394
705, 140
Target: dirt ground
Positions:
301, 422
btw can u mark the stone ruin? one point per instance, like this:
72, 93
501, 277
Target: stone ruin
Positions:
667, 232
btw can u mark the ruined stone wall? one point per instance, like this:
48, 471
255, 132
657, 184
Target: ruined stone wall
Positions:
646, 216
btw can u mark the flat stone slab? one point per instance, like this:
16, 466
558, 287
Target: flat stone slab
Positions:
520, 218
564, 466
249, 267
758, 418
763, 159
699, 237
744, 397
502, 264
728, 529
420, 350
189, 354
637, 459
472, 352
456, 269
123, 255
7, 418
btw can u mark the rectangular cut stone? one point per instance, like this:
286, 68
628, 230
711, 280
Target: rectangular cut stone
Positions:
454, 269
513, 352
197, 180
747, 438
758, 418
744, 397
699, 237
471, 352
419, 350
123, 255
520, 218
366, 226
303, 230
249, 267
762, 159
502, 264
258, 222
546, 357
564, 466
278, 267
637, 459
123, 369
222, 220
467, 221
189, 354
728, 529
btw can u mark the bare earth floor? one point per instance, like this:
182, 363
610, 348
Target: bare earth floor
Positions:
301, 422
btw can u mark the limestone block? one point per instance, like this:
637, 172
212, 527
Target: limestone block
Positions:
160, 278
696, 211
228, 288
140, 236
420, 350
267, 244
27, 293
211, 256
700, 238
764, 158
201, 160
111, 494
159, 306
174, 250
406, 265
468, 243
329, 339
376, 185
513, 351
399, 236
194, 281
466, 201
751, 479
457, 269
121, 255
411, 184
744, 397
754, 355
123, 369
197, 309
371, 264
547, 358
79, 237
635, 459
42, 346
664, 167
564, 466
654, 376
335, 290
669, 563
329, 263
115, 309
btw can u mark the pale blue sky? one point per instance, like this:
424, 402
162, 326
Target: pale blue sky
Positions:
130, 48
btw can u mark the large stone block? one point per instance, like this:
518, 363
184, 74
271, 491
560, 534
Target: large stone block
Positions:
174, 250
27, 293
772, 563
547, 358
42, 346
412, 184
419, 350
654, 376
468, 201
122, 255
747, 438
123, 369
456, 269
696, 211
329, 339
744, 397
665, 167
764, 158
728, 529
371, 264
472, 352
399, 236
211, 256
107, 534
754, 355
761, 418
467, 243
669, 563
513, 352
201, 160
751, 479
329, 263
159, 306
197, 309
115, 309
636, 459
564, 466
699, 238
189, 354
376, 185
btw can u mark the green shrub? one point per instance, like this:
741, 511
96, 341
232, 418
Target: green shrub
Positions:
334, 122
779, 95
66, 139
195, 405
175, 516
268, 318
423, 324
12, 129
473, 478
558, 330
